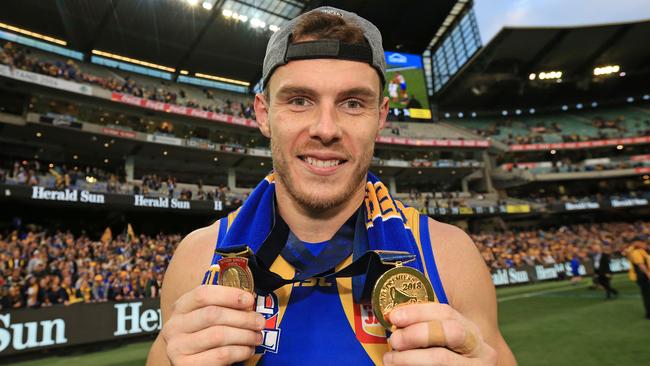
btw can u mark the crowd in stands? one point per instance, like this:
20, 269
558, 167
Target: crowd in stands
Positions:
40, 269
558, 245
33, 173
19, 57
545, 198
426, 202
566, 165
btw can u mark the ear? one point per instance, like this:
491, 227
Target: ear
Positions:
383, 114
261, 107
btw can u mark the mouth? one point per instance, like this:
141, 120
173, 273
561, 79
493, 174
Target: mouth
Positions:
322, 165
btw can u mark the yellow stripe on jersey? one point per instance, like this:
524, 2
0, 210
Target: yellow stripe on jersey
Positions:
374, 350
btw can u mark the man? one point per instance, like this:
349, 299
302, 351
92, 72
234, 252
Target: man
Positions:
640, 271
603, 271
322, 110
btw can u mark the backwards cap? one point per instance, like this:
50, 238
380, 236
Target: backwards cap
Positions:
280, 50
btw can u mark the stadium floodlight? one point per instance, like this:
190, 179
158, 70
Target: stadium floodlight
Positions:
532, 76
606, 70
619, 147
132, 60
227, 13
553, 152
622, 74
193, 2
222, 79
256, 23
274, 28
243, 18
550, 75
207, 5
33, 34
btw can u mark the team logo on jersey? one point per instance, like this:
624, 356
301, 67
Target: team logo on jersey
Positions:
367, 326
268, 306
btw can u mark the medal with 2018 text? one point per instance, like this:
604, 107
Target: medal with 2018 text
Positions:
399, 285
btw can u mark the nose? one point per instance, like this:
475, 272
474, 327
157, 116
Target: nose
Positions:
326, 127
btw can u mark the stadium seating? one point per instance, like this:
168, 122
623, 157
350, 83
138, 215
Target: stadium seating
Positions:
562, 127
130, 83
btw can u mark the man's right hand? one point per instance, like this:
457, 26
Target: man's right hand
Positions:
212, 325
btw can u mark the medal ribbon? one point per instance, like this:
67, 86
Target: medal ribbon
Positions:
366, 267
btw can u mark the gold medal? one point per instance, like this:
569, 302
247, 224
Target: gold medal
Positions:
399, 285
234, 272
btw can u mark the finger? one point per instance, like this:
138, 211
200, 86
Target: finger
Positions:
216, 315
450, 333
431, 356
205, 295
214, 337
405, 315
220, 356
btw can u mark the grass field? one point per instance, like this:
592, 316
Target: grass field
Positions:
545, 324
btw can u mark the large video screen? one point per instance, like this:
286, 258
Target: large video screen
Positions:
406, 88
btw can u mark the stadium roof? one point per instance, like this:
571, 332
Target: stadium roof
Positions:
185, 35
499, 75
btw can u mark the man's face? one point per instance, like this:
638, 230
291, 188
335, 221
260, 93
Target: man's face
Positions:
322, 118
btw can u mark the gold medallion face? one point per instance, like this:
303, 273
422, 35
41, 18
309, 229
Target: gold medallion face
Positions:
234, 272
399, 285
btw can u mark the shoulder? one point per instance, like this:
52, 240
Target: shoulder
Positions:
191, 259
461, 268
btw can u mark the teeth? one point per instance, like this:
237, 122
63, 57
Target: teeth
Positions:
322, 163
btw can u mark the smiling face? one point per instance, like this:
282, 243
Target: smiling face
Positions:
322, 117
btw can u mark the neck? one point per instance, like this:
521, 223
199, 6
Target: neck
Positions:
316, 226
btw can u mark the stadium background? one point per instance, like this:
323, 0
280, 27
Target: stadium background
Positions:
125, 125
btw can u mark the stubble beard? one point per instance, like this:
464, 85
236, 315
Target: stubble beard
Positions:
310, 199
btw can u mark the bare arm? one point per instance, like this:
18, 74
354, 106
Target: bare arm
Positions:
468, 284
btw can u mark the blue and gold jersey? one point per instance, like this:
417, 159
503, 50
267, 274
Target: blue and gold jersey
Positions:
317, 321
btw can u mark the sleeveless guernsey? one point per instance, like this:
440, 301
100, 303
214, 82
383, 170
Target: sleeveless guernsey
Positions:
316, 321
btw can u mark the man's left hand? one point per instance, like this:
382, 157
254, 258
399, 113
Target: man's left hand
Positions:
436, 334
